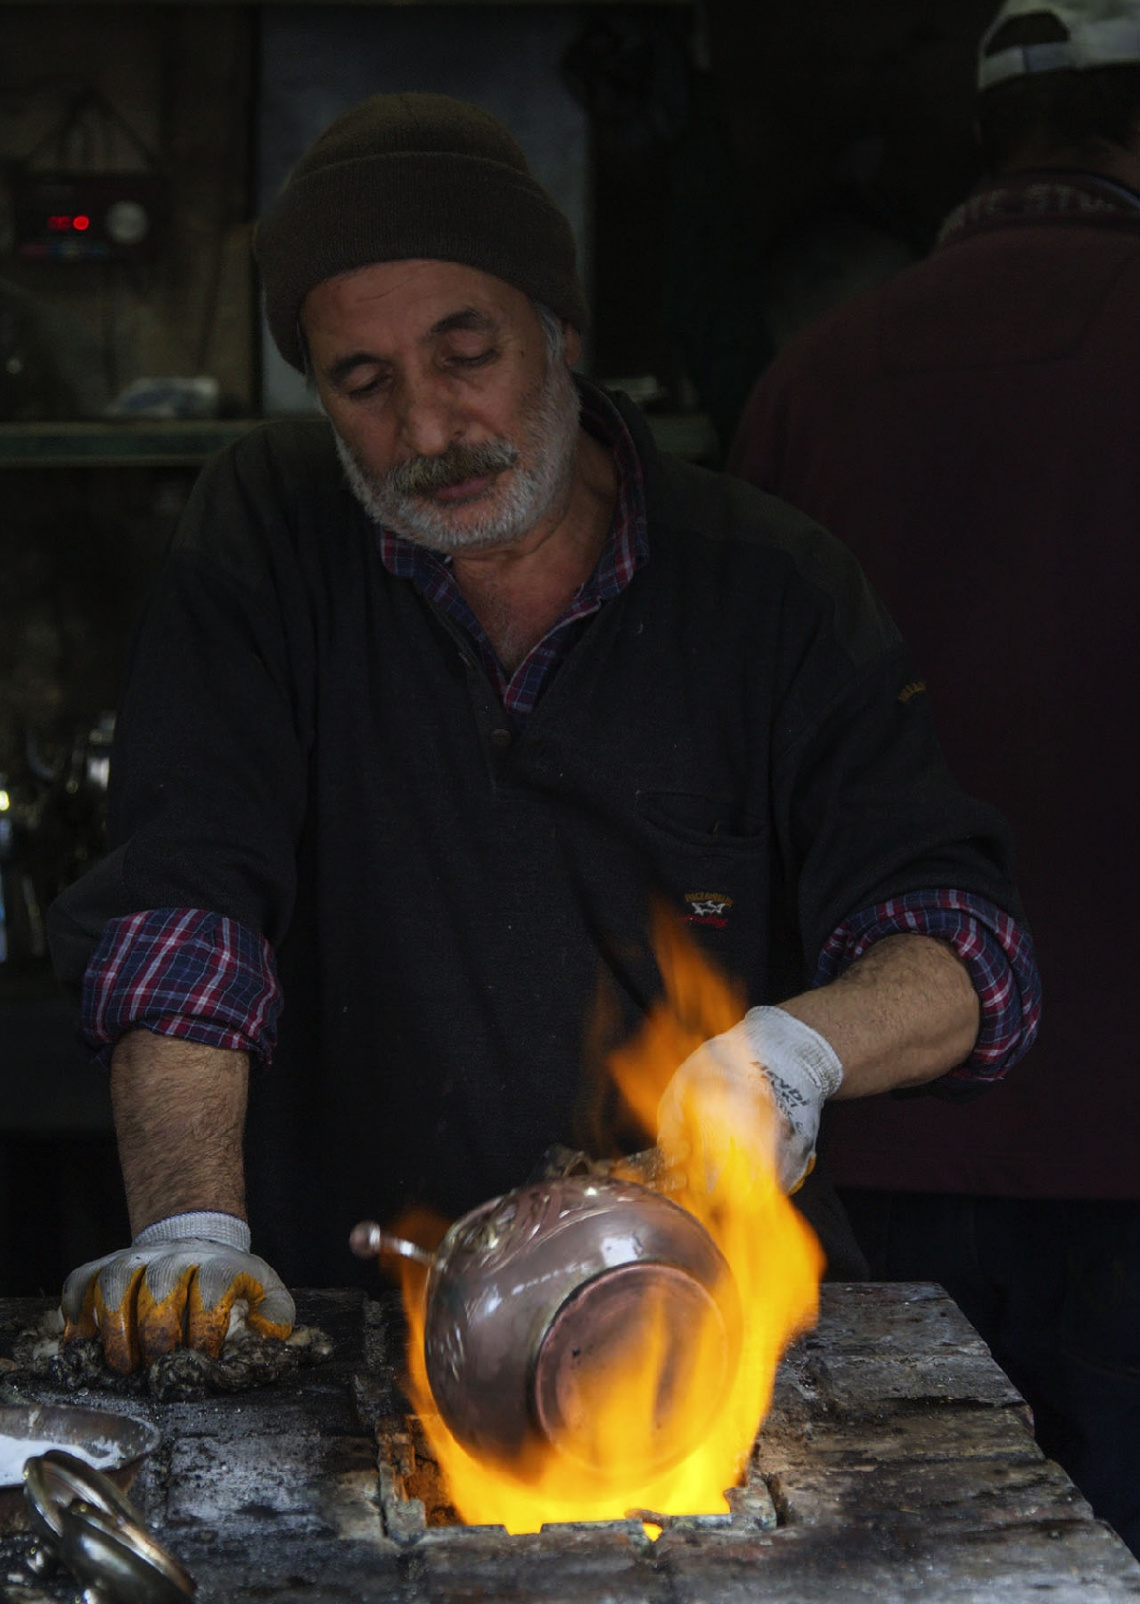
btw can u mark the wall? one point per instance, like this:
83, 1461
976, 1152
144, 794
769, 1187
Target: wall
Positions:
801, 84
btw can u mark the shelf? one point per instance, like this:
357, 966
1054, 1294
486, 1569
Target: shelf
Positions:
186, 444
178, 443
378, 3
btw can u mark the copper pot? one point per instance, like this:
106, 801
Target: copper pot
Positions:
533, 1299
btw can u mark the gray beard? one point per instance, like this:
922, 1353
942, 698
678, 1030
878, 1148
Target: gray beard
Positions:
541, 468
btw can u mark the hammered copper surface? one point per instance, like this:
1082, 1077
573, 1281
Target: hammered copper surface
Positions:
504, 1284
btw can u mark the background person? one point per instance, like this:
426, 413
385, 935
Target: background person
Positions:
969, 431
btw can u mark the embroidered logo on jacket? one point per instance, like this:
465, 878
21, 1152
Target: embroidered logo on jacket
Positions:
707, 908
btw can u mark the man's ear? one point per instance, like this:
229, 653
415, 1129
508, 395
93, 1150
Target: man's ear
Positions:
571, 343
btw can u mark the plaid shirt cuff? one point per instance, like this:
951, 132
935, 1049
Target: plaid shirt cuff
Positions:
995, 949
182, 972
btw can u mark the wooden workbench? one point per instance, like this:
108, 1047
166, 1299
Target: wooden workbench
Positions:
897, 1464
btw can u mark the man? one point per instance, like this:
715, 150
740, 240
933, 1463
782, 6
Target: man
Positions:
968, 430
423, 754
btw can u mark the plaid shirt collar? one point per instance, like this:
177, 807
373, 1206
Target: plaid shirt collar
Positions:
625, 550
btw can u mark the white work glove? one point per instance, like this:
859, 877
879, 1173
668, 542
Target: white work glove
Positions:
178, 1284
725, 1093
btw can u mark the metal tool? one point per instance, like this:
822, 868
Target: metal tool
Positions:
89, 1526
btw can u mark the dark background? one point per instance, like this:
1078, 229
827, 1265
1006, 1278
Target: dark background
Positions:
739, 166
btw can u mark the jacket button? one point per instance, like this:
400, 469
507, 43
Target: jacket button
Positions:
501, 739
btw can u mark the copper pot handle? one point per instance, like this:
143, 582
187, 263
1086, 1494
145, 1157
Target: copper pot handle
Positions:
370, 1241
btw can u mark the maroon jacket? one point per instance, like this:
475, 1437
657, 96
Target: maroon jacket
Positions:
972, 431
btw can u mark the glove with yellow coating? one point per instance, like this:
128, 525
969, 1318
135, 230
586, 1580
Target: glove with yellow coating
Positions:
726, 1092
178, 1284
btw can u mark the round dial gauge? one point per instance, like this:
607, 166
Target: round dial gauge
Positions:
126, 222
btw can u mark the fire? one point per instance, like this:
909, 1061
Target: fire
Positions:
774, 1258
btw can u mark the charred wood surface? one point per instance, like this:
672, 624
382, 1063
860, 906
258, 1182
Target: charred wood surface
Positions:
897, 1463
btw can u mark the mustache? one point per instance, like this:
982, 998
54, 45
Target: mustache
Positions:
421, 475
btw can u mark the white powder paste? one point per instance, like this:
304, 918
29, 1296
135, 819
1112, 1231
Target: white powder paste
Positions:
101, 1453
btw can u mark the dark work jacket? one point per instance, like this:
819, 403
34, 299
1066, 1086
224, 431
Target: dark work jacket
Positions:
970, 430
460, 915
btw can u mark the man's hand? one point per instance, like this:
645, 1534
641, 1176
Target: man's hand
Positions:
179, 1113
760, 1087
902, 1015
179, 1283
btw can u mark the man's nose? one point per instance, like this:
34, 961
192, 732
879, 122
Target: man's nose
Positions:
428, 418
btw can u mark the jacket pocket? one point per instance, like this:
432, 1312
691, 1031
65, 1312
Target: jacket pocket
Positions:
718, 825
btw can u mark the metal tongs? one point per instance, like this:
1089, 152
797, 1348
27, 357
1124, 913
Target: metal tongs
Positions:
85, 1523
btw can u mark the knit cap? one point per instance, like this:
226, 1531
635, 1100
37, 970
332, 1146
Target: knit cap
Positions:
411, 176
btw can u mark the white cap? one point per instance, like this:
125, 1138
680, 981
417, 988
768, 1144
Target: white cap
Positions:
1101, 33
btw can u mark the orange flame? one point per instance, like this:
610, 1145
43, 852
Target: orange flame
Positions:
774, 1257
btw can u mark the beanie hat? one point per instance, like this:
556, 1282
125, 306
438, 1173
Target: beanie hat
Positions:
409, 176
1097, 33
